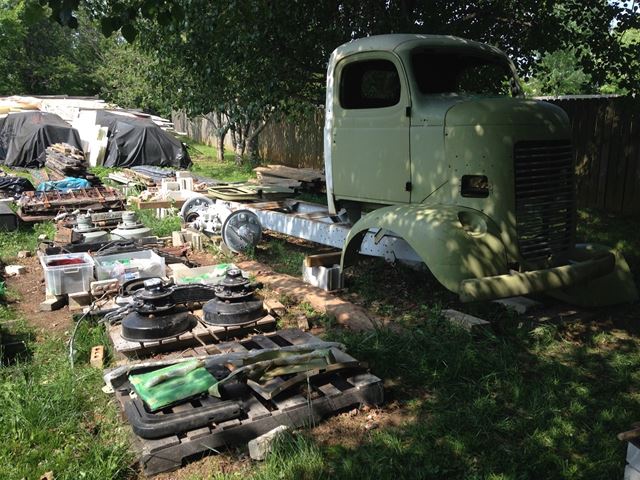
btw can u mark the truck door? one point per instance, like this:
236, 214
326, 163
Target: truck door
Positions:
370, 137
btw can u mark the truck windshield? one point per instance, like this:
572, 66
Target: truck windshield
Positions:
439, 71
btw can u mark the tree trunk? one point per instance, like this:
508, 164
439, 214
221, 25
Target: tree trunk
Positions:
220, 128
220, 147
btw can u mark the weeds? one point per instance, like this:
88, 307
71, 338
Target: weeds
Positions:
56, 419
25, 238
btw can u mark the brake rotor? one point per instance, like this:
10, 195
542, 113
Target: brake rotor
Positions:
241, 231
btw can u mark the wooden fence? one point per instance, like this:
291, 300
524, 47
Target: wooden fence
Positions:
606, 137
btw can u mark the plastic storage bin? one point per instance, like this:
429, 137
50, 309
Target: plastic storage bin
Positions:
130, 265
63, 279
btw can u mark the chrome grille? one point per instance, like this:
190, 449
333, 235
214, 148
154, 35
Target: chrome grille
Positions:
545, 198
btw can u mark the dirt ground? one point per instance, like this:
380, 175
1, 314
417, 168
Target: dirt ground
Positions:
350, 429
27, 291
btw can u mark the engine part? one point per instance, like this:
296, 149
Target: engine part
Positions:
240, 229
91, 234
236, 302
193, 207
130, 228
156, 315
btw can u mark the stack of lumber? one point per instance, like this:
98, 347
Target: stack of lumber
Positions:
308, 179
64, 160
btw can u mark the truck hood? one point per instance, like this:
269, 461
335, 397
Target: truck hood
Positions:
505, 111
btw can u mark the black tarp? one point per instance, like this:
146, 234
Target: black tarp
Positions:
25, 136
15, 185
139, 141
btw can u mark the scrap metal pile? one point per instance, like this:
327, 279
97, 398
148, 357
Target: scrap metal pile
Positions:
212, 365
39, 206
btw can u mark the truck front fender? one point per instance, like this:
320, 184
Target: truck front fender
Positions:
456, 243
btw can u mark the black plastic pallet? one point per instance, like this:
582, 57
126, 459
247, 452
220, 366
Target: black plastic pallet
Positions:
322, 396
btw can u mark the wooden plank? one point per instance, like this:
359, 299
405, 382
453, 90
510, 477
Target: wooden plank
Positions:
617, 165
631, 199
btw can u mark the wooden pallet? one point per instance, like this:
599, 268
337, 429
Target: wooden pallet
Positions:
201, 335
303, 405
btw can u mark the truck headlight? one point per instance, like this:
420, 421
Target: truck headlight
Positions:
475, 186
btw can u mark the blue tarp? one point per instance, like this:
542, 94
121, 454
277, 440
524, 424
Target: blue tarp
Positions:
68, 183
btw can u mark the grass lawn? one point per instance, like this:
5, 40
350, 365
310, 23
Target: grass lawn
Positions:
524, 400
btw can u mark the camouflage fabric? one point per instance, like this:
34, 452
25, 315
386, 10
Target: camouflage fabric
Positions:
169, 385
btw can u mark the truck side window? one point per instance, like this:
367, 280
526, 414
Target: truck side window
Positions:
369, 84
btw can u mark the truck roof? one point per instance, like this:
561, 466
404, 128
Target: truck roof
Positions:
403, 41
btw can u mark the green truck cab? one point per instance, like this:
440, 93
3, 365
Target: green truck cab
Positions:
430, 138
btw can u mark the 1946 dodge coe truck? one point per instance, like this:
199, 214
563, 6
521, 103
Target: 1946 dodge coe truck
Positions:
430, 139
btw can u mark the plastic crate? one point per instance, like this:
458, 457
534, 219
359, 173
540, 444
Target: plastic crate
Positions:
65, 279
130, 265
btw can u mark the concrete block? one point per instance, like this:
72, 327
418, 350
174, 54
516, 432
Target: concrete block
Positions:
468, 322
633, 454
14, 270
105, 287
631, 473
53, 302
77, 301
260, 446
519, 304
327, 278
177, 239
24, 254
169, 185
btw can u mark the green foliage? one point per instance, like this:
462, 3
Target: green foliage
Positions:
57, 419
161, 227
41, 57
25, 238
128, 78
558, 73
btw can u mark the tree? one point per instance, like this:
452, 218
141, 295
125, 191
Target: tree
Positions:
558, 73
41, 57
247, 60
129, 77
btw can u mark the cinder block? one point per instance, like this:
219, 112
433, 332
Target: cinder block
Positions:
327, 278
105, 287
633, 454
53, 302
631, 473
260, 446
14, 270
77, 301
